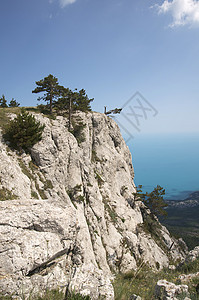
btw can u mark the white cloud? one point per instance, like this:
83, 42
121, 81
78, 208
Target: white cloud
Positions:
63, 3
184, 12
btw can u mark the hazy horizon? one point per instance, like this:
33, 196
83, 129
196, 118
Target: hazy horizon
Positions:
171, 161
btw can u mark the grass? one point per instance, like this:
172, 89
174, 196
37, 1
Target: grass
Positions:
99, 179
78, 129
46, 182
41, 109
113, 215
33, 168
34, 195
152, 226
48, 185
143, 281
4, 117
52, 295
25, 169
5, 194
4, 114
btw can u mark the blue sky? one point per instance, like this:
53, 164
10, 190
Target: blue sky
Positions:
111, 48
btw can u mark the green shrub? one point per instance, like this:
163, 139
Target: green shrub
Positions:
52, 295
77, 131
4, 115
48, 185
73, 194
142, 282
5, 194
76, 296
34, 195
23, 132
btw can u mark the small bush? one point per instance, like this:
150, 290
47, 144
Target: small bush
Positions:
73, 194
189, 267
52, 295
5, 194
142, 282
77, 130
23, 132
76, 296
34, 195
4, 115
48, 185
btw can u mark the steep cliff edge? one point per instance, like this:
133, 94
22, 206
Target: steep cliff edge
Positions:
72, 217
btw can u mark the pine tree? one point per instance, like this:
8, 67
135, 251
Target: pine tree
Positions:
71, 101
82, 102
76, 100
64, 103
14, 103
3, 101
23, 132
51, 89
155, 201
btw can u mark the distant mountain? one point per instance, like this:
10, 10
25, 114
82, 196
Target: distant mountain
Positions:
191, 201
194, 196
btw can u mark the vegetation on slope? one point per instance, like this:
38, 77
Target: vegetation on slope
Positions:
52, 295
142, 282
184, 223
23, 132
4, 115
3, 102
181, 220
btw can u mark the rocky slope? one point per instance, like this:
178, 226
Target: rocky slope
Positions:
69, 215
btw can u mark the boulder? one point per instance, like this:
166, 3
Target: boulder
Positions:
165, 290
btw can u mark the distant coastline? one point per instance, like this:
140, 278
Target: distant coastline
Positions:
191, 201
184, 196
168, 160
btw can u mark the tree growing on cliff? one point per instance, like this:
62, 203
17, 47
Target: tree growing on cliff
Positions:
64, 104
3, 101
23, 132
71, 101
81, 101
13, 103
51, 89
154, 200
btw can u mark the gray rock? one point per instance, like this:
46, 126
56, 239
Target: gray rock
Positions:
74, 219
135, 297
193, 254
165, 290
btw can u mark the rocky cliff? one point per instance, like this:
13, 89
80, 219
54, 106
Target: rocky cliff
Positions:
69, 215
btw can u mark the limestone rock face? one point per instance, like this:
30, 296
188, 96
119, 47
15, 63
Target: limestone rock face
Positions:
73, 219
192, 255
169, 291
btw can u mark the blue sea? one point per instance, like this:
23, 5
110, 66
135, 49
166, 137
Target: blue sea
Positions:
170, 160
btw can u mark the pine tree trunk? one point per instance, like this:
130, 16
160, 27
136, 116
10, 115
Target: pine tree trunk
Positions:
69, 117
51, 100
